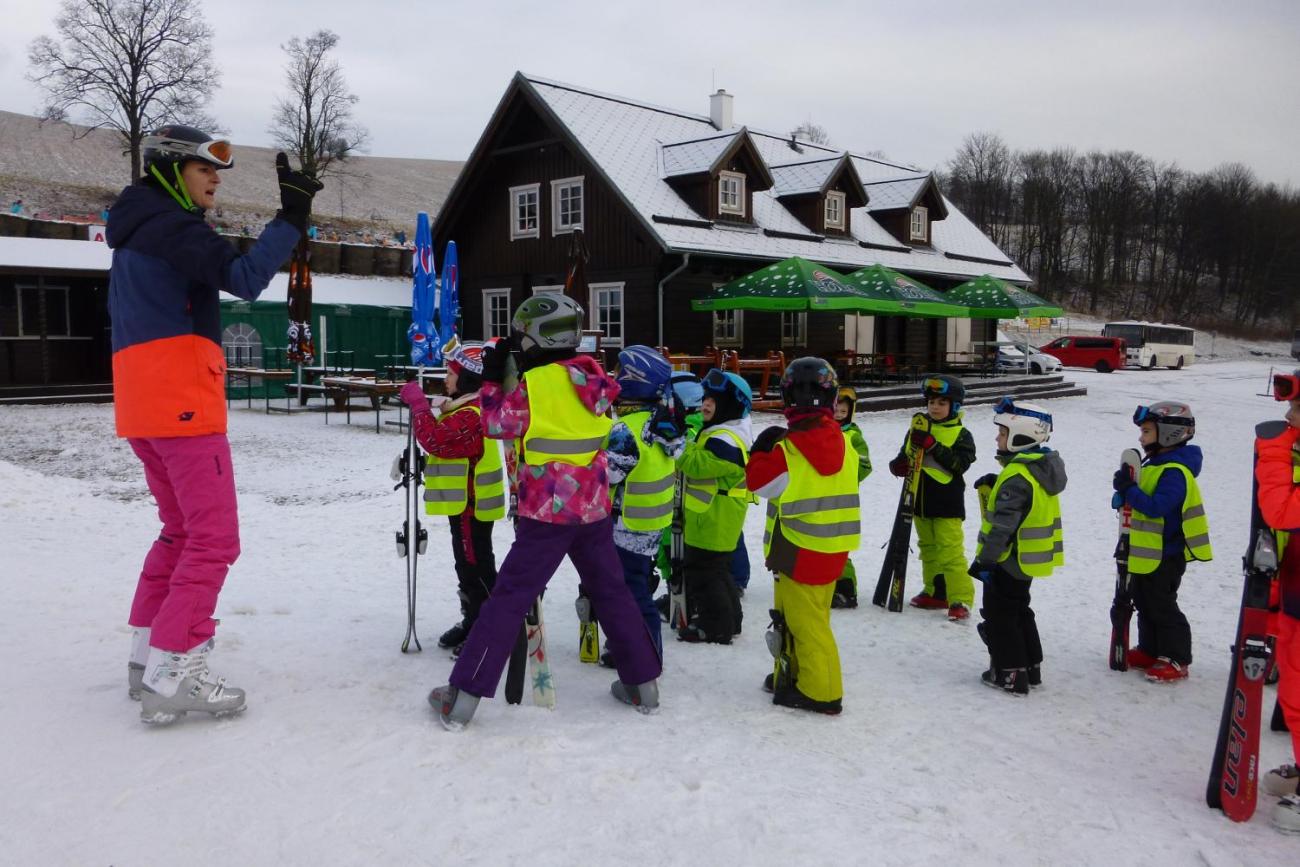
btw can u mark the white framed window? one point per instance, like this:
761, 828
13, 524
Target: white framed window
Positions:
728, 327
525, 211
58, 315
920, 223
242, 345
794, 328
557, 289
496, 313
567, 205
607, 312
731, 193
834, 210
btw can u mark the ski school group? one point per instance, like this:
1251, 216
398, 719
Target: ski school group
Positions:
645, 473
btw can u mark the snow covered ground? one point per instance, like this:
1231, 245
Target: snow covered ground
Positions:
339, 760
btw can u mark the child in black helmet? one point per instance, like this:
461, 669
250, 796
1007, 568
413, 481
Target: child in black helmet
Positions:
947, 450
846, 401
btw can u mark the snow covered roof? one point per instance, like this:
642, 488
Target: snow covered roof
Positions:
793, 179
344, 289
695, 155
49, 254
624, 138
891, 195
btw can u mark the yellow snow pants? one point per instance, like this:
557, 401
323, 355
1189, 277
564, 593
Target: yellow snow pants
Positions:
942, 546
807, 612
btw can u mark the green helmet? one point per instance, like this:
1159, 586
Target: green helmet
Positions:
548, 322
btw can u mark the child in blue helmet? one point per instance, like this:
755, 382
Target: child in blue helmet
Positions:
715, 499
643, 444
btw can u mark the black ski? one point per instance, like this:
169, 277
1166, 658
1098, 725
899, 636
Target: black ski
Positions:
1121, 609
677, 615
412, 539
893, 571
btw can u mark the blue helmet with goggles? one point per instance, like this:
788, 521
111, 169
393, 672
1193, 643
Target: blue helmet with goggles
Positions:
731, 395
943, 385
1028, 424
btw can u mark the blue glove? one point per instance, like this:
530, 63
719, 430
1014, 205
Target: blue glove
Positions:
1123, 480
980, 571
669, 419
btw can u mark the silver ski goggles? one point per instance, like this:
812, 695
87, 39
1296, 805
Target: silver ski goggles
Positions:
1008, 405
1144, 413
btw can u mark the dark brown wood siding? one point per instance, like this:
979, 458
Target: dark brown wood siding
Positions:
44, 354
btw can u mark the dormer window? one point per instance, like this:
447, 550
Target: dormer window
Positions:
731, 193
834, 213
920, 224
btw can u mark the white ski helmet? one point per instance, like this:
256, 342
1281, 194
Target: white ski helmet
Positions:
1028, 424
550, 321
1173, 419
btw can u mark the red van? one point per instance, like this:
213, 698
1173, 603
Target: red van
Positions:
1102, 354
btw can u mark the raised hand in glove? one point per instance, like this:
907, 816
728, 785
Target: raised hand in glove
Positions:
921, 439
1123, 480
495, 356
900, 466
412, 394
296, 192
767, 440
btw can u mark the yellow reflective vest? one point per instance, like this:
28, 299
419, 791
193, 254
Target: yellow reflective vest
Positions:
698, 493
1146, 537
447, 482
560, 426
818, 513
648, 489
1039, 543
945, 433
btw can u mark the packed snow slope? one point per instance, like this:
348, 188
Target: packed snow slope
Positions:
338, 759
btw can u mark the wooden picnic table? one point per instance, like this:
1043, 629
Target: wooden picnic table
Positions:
344, 387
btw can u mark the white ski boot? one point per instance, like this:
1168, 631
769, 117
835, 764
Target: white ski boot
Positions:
1286, 815
1282, 781
455, 707
186, 677
644, 697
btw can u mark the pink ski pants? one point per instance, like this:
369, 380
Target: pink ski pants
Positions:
192, 481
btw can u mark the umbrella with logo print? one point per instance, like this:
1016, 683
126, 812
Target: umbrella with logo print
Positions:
795, 284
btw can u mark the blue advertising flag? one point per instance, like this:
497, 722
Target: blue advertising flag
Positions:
449, 303
424, 343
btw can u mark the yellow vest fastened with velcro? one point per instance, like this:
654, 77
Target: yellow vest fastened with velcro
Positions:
818, 513
946, 434
1146, 536
447, 482
698, 494
648, 489
565, 431
1039, 542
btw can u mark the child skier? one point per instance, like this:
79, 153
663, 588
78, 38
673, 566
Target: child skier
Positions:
949, 450
643, 445
564, 507
463, 479
715, 498
809, 475
1277, 472
1168, 529
1020, 539
846, 588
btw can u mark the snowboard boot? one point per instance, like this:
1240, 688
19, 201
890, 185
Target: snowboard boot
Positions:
1166, 671
1286, 815
1137, 658
455, 708
1282, 781
644, 697
186, 677
792, 697
454, 637
958, 613
1012, 680
926, 602
134, 680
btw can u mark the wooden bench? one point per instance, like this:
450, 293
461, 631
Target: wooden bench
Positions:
697, 364
770, 370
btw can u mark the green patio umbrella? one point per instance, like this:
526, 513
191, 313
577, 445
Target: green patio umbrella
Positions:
991, 298
914, 298
794, 284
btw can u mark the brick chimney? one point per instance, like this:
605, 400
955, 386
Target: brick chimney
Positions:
720, 109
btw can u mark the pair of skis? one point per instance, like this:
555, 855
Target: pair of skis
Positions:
413, 538
1234, 774
1121, 608
893, 571
530, 645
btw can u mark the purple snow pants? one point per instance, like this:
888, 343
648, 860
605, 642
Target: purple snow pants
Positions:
192, 482
533, 558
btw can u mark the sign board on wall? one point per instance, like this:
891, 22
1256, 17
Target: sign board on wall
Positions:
96, 233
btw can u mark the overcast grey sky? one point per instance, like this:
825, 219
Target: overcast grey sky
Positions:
1200, 83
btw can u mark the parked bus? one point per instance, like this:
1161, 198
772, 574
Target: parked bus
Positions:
1154, 344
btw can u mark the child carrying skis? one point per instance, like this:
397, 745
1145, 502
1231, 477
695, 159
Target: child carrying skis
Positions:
715, 499
1020, 540
1168, 529
463, 479
846, 588
564, 507
1277, 472
809, 475
949, 450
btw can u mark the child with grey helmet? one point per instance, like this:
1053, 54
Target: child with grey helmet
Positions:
1169, 529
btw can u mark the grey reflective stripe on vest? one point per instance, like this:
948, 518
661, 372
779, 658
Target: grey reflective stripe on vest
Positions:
653, 487
1136, 552
1197, 511
648, 512
1198, 540
491, 477
699, 493
1144, 526
822, 531
1040, 532
497, 502
446, 470
820, 504
444, 495
1041, 556
565, 447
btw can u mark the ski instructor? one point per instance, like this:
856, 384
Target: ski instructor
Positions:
169, 399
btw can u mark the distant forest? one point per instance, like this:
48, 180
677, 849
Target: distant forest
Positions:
1121, 235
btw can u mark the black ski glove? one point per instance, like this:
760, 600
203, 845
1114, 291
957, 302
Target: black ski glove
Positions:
495, 356
1123, 480
669, 419
296, 192
767, 440
988, 480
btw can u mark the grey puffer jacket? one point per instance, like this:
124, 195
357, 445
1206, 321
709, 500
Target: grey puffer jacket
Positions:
1014, 500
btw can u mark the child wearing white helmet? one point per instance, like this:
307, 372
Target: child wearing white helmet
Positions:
1020, 540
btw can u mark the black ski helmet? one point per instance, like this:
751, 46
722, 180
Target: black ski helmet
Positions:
943, 385
809, 382
177, 143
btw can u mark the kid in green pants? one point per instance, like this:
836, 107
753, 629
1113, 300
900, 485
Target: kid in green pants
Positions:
846, 400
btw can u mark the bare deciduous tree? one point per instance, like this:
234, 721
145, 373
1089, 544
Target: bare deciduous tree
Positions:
811, 132
314, 122
127, 65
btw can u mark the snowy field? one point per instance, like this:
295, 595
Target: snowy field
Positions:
339, 761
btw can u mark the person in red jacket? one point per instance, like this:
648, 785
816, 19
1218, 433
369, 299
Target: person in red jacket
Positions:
1277, 474
809, 474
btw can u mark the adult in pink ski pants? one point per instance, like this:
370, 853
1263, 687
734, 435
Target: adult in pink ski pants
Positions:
192, 480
